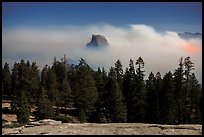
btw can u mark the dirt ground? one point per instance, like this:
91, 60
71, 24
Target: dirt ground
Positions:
105, 129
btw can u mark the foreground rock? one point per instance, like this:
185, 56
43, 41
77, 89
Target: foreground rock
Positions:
50, 122
105, 129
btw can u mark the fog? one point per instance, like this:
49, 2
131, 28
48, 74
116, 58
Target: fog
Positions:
160, 51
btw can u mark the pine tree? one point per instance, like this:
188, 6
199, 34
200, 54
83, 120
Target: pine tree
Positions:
73, 79
24, 79
129, 90
61, 70
23, 111
167, 109
160, 97
179, 91
34, 83
52, 86
104, 74
152, 100
26, 83
53, 92
43, 78
85, 92
14, 88
23, 73
44, 106
82, 115
102, 96
195, 94
188, 67
66, 95
119, 72
100, 85
6, 81
140, 93
126, 85
139, 71
116, 109
20, 83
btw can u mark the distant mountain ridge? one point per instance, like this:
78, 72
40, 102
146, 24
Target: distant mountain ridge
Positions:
189, 35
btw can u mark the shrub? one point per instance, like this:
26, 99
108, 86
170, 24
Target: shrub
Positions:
14, 125
64, 119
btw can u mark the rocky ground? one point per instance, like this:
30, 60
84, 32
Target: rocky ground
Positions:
51, 127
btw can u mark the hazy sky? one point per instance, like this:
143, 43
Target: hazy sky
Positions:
40, 31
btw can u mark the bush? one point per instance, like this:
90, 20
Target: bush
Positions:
64, 119
14, 125
6, 110
4, 121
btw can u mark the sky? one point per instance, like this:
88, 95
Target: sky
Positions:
174, 16
40, 31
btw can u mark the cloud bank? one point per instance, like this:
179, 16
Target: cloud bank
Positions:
160, 51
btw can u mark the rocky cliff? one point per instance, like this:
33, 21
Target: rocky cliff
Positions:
97, 41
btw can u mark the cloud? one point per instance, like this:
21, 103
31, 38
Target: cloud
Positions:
160, 51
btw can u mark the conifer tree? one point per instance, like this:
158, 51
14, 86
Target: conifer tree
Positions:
100, 85
160, 96
116, 109
61, 70
152, 100
82, 115
53, 92
102, 96
167, 108
20, 84
195, 94
129, 90
44, 106
14, 88
34, 83
179, 91
140, 93
188, 67
23, 111
85, 92
6, 81
119, 72
28, 81
43, 79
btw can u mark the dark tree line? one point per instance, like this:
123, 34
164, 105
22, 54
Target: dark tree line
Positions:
101, 96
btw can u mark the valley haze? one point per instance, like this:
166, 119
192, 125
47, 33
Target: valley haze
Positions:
160, 51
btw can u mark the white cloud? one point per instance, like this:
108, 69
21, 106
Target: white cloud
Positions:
160, 51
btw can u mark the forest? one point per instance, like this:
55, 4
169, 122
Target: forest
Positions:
104, 96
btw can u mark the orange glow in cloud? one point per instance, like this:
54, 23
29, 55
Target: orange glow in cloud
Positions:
191, 47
